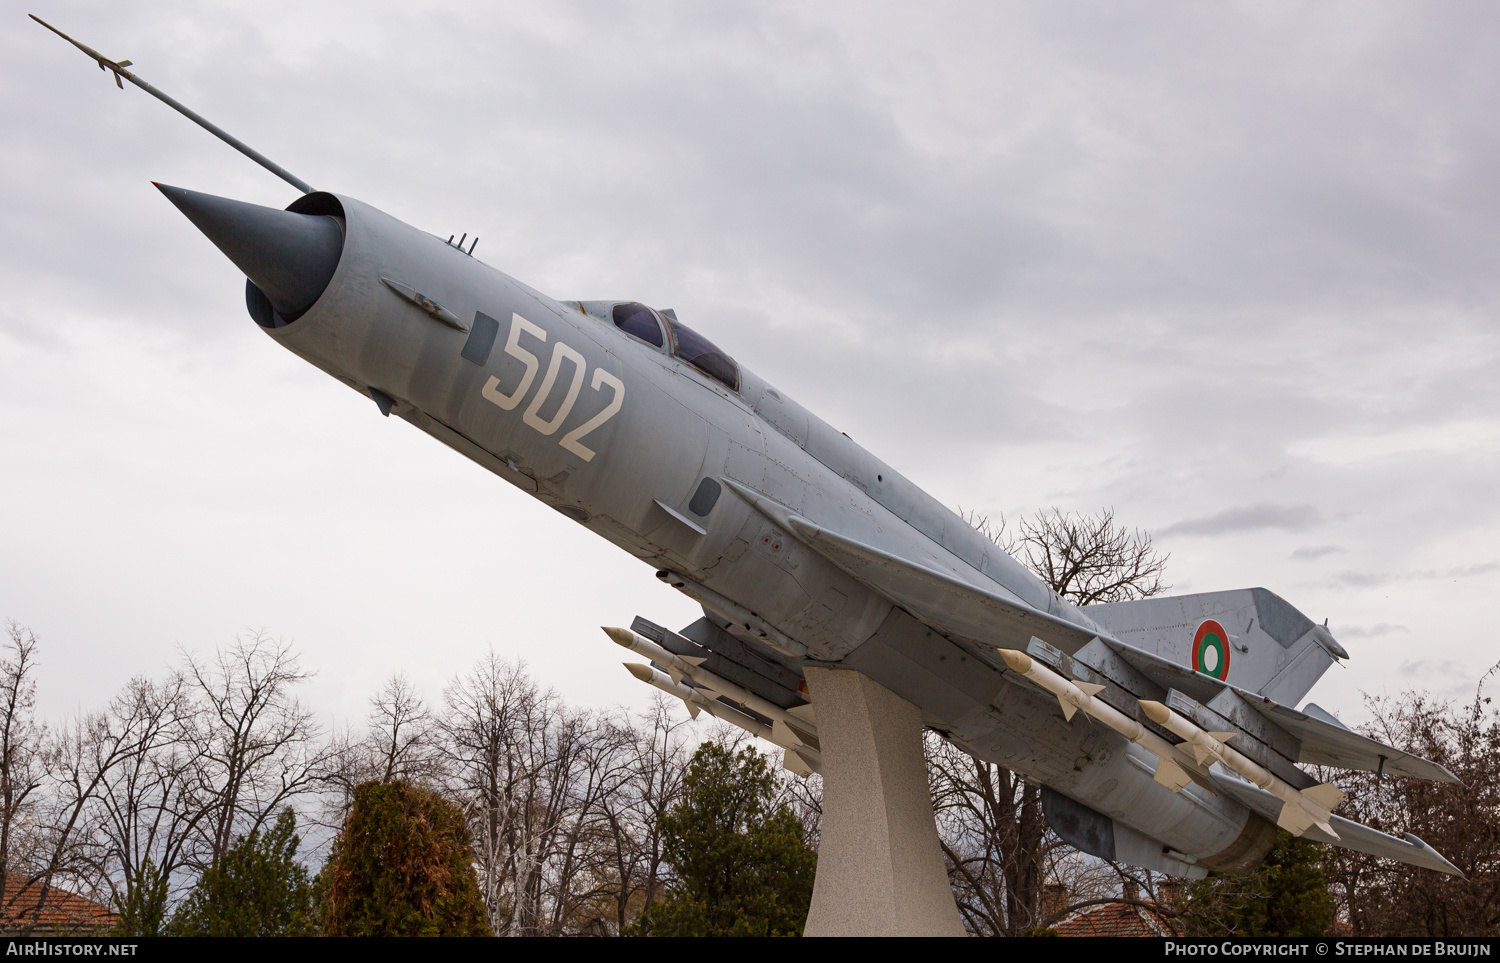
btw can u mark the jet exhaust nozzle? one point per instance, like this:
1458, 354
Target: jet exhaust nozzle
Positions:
288, 256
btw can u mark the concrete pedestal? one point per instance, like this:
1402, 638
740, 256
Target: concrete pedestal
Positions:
880, 868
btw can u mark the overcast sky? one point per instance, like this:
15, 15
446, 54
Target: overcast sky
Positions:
1233, 270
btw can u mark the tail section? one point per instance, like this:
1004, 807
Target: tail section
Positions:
1251, 638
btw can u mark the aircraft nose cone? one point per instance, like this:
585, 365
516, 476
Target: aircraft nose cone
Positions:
290, 257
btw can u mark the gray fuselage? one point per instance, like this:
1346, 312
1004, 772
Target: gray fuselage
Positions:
619, 435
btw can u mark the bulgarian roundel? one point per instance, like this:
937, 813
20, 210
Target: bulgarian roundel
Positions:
1211, 650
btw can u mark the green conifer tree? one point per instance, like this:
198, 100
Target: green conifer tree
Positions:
257, 888
402, 866
1286, 896
742, 864
143, 908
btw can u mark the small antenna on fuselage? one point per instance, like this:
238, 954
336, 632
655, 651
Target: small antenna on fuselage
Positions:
118, 69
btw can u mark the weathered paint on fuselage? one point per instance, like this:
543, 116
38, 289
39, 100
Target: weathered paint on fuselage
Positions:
675, 427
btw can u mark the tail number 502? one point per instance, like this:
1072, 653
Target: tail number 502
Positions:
573, 440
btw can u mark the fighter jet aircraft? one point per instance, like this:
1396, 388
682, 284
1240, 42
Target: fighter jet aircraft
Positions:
1163, 731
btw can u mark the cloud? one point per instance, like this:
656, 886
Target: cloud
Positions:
1372, 631
1313, 552
1366, 579
1026, 254
1449, 678
1286, 518
1469, 571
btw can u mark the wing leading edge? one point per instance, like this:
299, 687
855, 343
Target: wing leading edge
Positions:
938, 599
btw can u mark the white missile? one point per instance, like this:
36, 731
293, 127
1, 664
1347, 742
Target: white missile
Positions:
677, 665
697, 702
1073, 696
682, 666
1300, 810
694, 700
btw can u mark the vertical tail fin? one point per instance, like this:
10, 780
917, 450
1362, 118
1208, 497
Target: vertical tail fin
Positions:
1249, 637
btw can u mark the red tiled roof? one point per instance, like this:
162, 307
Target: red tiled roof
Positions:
1114, 919
63, 912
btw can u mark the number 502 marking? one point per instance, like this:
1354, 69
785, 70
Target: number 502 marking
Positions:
572, 441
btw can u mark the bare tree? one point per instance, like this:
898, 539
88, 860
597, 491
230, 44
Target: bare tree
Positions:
61, 781
1086, 559
548, 790
1462, 821
153, 801
993, 838
658, 749
256, 746
20, 751
80, 756
595, 766
482, 710
401, 733
997, 845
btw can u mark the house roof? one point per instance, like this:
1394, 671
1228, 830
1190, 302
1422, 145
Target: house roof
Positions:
63, 911
1113, 919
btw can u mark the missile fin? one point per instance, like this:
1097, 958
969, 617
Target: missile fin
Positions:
1202, 754
782, 734
1326, 795
692, 709
1328, 829
1221, 737
1090, 688
693, 659
1171, 775
1068, 708
1294, 819
795, 764
676, 674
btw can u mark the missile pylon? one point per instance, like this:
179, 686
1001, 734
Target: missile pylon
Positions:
682, 666
1075, 696
1300, 810
697, 702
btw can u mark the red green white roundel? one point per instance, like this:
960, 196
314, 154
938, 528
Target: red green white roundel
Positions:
1211, 650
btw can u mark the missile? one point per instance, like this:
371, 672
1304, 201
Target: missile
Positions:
1300, 810
784, 725
1073, 696
678, 666
697, 702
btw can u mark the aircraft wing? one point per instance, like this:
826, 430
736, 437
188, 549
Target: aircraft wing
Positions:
938, 599
1323, 740
1328, 742
1352, 835
958, 608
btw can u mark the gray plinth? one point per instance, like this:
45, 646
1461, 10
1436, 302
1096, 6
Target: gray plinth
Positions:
880, 868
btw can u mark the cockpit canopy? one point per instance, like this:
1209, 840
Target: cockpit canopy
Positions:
636, 319
645, 323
